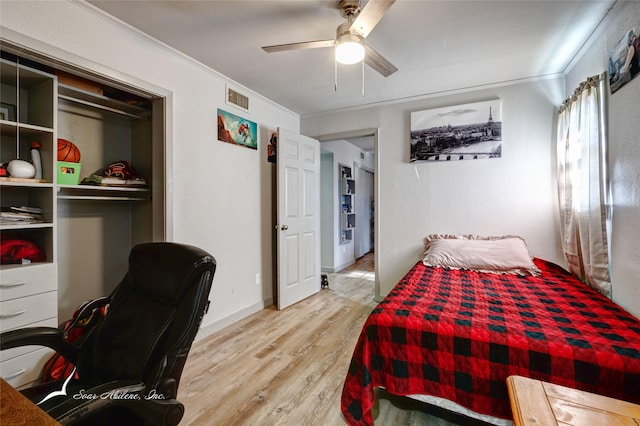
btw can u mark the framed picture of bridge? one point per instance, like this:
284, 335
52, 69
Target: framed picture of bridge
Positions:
461, 132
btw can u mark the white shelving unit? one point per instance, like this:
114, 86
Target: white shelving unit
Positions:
347, 204
28, 291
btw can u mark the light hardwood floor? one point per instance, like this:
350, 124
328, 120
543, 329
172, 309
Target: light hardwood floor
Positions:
288, 367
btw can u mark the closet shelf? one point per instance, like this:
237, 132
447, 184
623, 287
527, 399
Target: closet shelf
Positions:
95, 100
24, 226
88, 192
100, 198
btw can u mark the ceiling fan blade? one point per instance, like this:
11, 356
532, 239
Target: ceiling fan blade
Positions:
370, 15
378, 62
299, 46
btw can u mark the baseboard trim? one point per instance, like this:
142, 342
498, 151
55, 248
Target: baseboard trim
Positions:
218, 325
344, 265
338, 268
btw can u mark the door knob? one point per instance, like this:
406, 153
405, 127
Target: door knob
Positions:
284, 227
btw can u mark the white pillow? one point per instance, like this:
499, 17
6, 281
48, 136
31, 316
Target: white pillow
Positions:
501, 255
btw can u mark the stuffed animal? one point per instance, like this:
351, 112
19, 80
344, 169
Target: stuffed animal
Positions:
324, 281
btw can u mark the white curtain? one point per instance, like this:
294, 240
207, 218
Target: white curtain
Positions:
583, 187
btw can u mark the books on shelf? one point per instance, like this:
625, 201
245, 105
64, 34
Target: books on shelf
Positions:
112, 181
109, 181
21, 215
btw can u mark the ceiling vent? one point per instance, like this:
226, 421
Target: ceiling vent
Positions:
237, 99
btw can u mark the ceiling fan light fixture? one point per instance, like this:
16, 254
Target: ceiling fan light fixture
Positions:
349, 49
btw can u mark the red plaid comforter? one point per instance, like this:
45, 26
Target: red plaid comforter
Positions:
459, 334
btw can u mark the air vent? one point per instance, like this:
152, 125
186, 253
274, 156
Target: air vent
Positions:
237, 99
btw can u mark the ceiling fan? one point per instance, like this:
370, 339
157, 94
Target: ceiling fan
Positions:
349, 41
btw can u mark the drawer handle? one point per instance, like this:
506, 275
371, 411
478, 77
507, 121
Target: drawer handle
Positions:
13, 314
13, 284
14, 375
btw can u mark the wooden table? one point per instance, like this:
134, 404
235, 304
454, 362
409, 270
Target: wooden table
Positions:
540, 403
16, 409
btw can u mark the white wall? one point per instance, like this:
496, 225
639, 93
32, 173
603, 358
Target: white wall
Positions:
515, 194
624, 156
347, 154
328, 206
220, 195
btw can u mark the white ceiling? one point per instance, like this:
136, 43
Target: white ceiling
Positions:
437, 45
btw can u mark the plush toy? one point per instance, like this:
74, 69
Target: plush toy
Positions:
324, 281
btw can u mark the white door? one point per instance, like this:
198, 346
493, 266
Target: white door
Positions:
298, 228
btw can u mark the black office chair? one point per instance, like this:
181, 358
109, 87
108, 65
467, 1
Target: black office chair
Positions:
129, 365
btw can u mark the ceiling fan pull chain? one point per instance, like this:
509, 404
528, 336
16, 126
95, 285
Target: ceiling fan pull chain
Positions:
335, 76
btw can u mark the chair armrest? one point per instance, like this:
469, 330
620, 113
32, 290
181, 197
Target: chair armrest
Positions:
121, 393
41, 336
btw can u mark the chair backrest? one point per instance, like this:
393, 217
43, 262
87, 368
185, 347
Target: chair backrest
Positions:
154, 315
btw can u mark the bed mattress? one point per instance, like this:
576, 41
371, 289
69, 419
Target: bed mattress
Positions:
458, 334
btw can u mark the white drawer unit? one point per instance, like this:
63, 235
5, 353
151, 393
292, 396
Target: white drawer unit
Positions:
17, 313
21, 350
23, 281
25, 369
22, 366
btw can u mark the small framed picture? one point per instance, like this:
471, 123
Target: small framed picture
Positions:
237, 130
272, 146
624, 59
7, 112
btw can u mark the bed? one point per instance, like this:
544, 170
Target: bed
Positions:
453, 330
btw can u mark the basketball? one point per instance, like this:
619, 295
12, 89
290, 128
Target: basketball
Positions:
68, 151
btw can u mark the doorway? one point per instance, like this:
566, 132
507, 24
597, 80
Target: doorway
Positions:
367, 142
